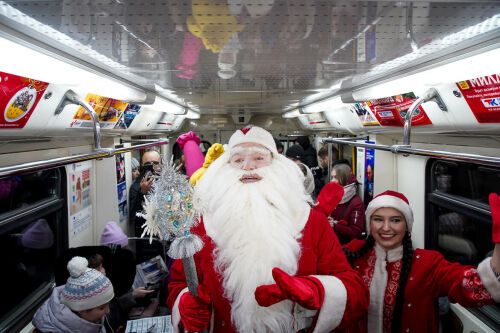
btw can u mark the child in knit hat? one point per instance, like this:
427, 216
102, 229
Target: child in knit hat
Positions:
78, 306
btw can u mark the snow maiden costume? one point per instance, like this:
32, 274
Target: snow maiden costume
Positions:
405, 284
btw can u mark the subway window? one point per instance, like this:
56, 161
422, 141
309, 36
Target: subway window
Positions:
33, 232
458, 217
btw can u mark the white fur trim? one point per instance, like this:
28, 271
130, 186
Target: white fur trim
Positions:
176, 315
254, 135
302, 317
389, 201
489, 279
333, 308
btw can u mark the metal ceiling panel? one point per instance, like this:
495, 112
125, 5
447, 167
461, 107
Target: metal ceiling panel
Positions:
257, 55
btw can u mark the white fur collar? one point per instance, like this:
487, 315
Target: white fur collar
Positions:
391, 255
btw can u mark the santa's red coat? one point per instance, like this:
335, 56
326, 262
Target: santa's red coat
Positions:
431, 276
321, 255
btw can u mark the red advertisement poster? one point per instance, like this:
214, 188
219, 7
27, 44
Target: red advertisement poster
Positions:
483, 96
391, 111
18, 99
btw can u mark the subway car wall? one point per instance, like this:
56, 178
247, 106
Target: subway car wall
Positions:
408, 92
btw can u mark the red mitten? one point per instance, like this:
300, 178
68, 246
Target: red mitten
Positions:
195, 311
330, 196
304, 290
268, 295
495, 215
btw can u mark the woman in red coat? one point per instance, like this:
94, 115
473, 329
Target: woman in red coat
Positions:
348, 218
404, 283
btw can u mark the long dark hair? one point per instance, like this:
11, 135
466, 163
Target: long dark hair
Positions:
405, 271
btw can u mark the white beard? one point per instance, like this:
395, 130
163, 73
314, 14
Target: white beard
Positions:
256, 227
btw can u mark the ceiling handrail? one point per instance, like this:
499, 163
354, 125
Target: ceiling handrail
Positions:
61, 161
406, 150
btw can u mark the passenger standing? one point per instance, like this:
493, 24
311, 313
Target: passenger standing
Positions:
348, 218
310, 154
405, 284
321, 171
295, 153
78, 306
142, 186
135, 168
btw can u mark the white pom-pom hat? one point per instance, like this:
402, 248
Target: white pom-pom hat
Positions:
253, 134
390, 199
86, 288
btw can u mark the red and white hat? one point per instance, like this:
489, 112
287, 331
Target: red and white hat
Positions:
253, 134
391, 199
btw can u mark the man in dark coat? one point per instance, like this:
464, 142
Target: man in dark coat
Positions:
142, 186
310, 158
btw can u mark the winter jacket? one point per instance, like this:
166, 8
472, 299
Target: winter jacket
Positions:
55, 317
136, 199
430, 277
354, 217
351, 217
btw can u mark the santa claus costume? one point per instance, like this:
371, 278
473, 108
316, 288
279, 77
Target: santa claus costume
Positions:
269, 263
404, 283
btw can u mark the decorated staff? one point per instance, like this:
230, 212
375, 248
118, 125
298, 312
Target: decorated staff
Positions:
169, 214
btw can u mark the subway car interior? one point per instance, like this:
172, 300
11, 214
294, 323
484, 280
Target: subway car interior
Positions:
87, 86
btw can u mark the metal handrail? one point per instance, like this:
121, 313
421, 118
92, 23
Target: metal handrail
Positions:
60, 161
401, 149
430, 95
70, 97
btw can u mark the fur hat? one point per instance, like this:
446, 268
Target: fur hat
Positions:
391, 199
86, 288
113, 234
253, 134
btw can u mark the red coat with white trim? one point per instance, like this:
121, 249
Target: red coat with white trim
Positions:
321, 255
430, 277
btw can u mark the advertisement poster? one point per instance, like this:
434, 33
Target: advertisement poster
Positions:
391, 111
79, 202
18, 99
129, 115
108, 111
483, 96
121, 188
369, 174
364, 114
360, 170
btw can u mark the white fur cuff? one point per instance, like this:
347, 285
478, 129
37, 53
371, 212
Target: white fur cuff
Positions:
489, 279
176, 315
333, 308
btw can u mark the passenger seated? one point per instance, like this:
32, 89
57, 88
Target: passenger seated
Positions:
404, 283
78, 306
122, 266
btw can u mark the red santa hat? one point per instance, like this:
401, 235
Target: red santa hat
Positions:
253, 134
391, 199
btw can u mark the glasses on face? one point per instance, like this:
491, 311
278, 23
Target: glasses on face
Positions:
151, 163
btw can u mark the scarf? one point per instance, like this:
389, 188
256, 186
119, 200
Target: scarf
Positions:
349, 192
378, 286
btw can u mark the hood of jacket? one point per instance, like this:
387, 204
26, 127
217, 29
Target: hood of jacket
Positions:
303, 142
55, 317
